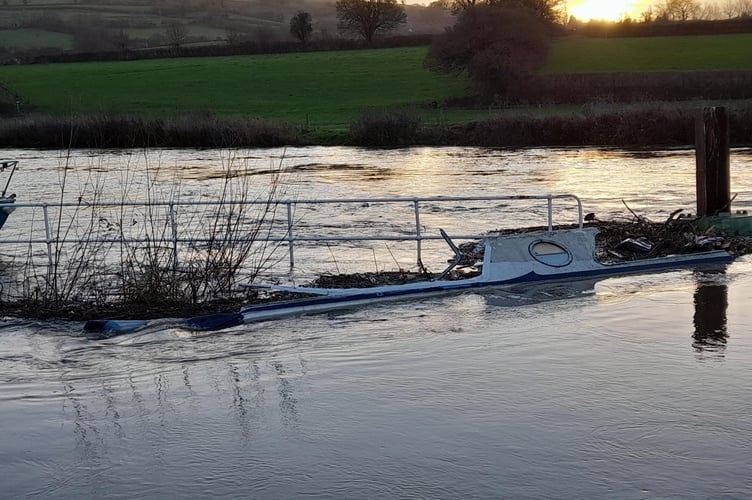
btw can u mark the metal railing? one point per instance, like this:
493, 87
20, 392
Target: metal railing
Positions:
174, 236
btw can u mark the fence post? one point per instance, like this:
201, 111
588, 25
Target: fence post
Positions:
174, 225
290, 241
47, 234
418, 235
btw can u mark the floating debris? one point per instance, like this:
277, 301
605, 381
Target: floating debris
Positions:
368, 280
642, 245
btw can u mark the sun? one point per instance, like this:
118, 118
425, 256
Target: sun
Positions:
606, 10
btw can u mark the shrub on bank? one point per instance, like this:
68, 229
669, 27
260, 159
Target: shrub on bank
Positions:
386, 129
151, 252
639, 128
662, 125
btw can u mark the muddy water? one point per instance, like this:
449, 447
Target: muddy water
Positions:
630, 387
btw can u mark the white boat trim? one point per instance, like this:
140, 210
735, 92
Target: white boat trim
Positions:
532, 257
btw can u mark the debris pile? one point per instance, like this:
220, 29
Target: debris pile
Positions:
367, 280
641, 238
638, 238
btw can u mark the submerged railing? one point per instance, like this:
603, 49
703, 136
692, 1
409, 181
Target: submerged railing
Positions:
171, 224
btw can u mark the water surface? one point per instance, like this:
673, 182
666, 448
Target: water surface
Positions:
631, 387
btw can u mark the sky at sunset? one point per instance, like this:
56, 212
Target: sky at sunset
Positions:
606, 9
611, 10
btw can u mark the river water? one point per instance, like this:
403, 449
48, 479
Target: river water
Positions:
630, 387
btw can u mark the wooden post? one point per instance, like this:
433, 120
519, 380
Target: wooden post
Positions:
712, 154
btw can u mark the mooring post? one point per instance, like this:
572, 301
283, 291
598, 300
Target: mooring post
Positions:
712, 155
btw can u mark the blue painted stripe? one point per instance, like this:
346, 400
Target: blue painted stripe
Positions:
213, 321
114, 326
531, 277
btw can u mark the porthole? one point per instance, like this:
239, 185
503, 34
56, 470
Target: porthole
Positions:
550, 253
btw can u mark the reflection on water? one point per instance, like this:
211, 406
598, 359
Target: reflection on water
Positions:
521, 295
540, 391
710, 319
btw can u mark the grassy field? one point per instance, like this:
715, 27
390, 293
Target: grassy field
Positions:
328, 90
323, 89
671, 53
194, 30
25, 39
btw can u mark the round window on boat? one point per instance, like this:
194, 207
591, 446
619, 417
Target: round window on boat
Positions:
550, 253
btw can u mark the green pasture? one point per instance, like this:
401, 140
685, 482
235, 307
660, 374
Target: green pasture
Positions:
669, 53
25, 39
207, 32
321, 89
193, 30
328, 90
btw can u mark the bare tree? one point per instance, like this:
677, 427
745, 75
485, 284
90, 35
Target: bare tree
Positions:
301, 26
745, 8
729, 9
458, 6
709, 11
177, 34
646, 16
367, 18
550, 10
678, 10
737, 8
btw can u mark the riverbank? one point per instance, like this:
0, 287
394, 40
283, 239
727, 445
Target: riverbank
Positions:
654, 124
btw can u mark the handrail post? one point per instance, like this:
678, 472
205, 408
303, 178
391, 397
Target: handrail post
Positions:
55, 242
47, 233
174, 225
290, 239
418, 235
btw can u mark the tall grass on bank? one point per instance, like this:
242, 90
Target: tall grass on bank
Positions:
656, 125
154, 258
603, 123
127, 131
643, 127
387, 128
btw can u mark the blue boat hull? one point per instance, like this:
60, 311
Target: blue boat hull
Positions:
357, 297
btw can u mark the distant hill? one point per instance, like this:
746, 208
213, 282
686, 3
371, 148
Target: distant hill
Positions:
49, 26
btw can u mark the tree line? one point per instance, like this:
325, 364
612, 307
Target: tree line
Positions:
359, 19
370, 18
693, 10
